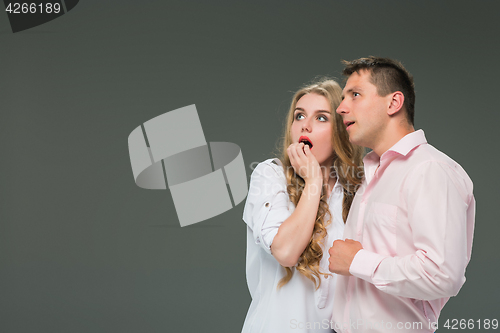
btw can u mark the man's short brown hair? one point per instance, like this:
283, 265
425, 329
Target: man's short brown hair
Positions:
388, 76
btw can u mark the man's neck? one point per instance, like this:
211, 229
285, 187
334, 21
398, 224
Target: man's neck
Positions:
391, 138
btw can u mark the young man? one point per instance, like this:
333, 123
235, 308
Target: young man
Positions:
410, 227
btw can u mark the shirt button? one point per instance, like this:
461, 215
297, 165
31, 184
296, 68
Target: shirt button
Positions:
267, 204
257, 240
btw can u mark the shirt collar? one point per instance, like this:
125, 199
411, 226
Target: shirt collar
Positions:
408, 143
402, 147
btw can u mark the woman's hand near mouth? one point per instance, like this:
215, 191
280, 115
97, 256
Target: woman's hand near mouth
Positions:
304, 163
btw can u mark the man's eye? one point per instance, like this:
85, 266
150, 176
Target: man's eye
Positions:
355, 94
299, 116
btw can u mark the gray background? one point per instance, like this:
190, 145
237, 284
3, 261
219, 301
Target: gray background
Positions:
83, 249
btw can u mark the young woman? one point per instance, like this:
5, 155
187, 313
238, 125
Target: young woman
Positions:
296, 207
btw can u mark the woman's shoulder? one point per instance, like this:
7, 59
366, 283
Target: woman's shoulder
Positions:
270, 168
267, 180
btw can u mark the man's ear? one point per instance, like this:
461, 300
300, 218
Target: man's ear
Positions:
397, 101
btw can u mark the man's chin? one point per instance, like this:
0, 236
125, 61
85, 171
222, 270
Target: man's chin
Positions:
356, 141
352, 139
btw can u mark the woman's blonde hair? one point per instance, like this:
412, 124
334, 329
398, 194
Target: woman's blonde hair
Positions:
347, 167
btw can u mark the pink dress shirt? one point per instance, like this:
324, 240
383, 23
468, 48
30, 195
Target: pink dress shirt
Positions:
414, 216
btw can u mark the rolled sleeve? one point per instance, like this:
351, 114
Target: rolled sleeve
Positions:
267, 203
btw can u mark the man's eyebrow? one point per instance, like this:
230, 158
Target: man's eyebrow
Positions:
350, 90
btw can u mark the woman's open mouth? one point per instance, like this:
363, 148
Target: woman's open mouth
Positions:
306, 141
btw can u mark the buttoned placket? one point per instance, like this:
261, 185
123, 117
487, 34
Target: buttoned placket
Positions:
325, 283
371, 180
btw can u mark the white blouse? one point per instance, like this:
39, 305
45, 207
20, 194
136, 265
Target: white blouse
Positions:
297, 306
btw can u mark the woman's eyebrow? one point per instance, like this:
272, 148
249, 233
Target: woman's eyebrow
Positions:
317, 111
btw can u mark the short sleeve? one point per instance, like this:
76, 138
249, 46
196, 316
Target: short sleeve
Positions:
267, 203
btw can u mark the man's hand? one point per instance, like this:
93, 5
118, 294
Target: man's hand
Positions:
341, 255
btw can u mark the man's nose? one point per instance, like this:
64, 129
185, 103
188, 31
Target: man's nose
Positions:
342, 109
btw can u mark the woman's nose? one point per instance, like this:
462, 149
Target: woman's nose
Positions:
306, 126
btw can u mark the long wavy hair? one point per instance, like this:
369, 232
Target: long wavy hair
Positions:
347, 168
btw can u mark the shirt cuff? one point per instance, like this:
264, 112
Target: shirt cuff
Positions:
364, 264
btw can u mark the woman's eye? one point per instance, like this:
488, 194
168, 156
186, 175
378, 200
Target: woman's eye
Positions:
322, 118
299, 116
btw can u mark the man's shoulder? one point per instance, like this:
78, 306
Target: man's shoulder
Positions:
428, 153
427, 157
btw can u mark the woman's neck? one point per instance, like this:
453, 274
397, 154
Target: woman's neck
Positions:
329, 178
